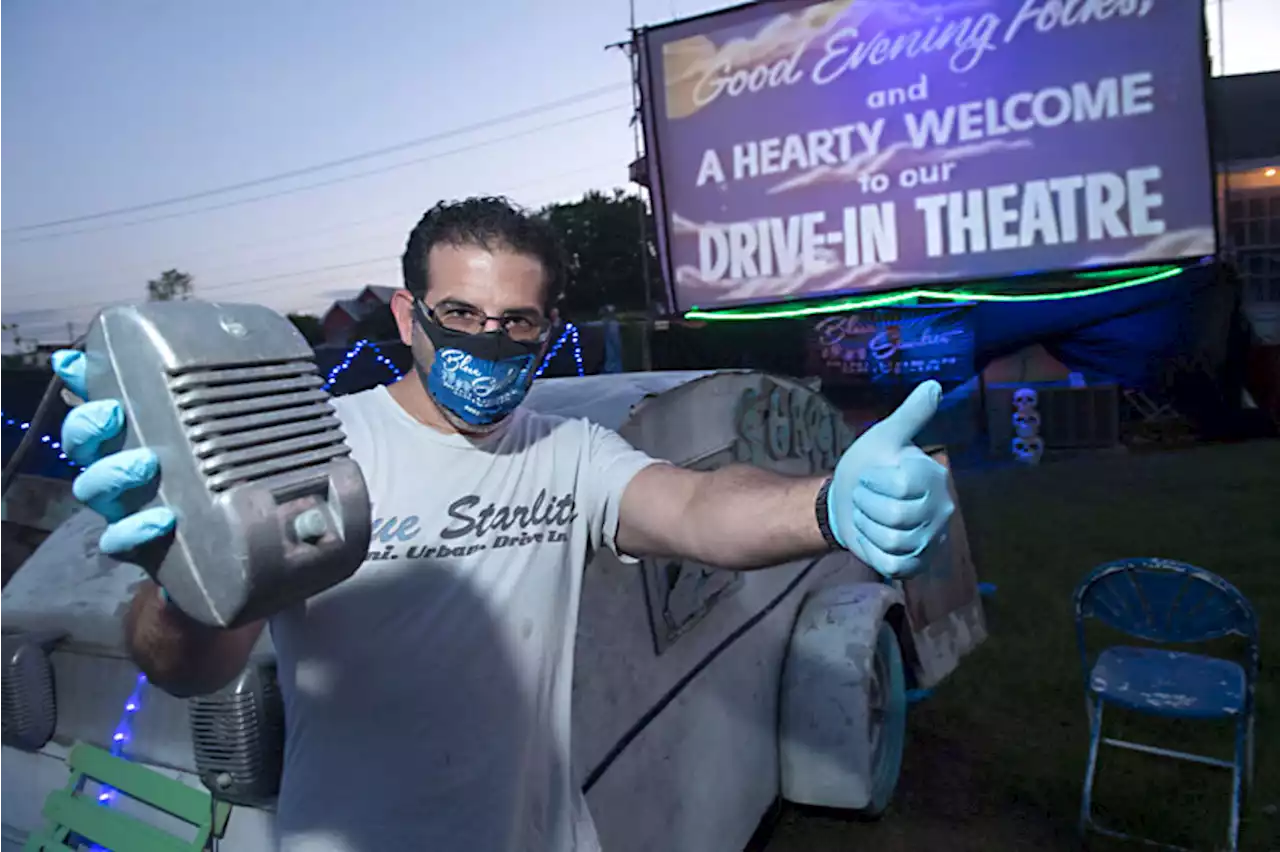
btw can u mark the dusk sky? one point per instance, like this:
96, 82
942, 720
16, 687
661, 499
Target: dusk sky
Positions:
111, 105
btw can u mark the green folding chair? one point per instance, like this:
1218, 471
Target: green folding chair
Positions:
76, 818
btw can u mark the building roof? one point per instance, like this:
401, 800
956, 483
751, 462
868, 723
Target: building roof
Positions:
357, 309
351, 307
1244, 114
382, 292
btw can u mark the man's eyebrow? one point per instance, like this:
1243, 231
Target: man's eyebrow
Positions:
449, 302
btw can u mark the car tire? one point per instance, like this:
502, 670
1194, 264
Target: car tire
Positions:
887, 721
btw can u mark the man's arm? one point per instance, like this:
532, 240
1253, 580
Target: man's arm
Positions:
177, 653
738, 517
887, 503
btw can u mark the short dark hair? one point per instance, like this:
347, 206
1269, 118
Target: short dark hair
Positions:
490, 222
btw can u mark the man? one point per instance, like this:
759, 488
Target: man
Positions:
427, 698
612, 340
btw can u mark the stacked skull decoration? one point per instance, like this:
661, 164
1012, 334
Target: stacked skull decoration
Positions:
1028, 446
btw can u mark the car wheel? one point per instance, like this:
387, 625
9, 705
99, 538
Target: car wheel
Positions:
886, 720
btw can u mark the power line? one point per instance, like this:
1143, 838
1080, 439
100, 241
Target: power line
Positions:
321, 184
239, 283
292, 173
262, 279
48, 280
45, 289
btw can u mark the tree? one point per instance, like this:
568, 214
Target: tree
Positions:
607, 258
172, 285
309, 326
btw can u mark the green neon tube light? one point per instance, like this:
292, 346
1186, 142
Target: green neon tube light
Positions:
1128, 270
863, 302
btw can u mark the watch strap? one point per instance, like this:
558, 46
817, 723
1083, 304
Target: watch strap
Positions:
822, 512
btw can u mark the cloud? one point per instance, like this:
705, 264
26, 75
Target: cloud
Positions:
1189, 242
687, 61
897, 157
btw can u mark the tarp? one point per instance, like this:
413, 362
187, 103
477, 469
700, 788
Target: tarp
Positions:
1182, 341
1127, 336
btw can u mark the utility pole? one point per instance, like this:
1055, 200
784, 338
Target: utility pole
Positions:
629, 48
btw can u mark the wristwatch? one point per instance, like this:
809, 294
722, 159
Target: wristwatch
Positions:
823, 514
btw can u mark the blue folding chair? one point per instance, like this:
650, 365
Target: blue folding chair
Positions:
1167, 602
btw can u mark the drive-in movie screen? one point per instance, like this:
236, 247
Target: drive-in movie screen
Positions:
800, 151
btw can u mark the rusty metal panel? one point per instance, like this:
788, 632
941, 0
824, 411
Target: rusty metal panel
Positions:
772, 423
944, 610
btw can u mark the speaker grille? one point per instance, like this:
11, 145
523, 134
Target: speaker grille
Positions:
238, 737
248, 423
28, 707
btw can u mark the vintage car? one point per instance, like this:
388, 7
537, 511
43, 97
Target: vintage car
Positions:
701, 697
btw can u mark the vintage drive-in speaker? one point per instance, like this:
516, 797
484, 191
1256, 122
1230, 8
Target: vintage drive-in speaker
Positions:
238, 737
29, 705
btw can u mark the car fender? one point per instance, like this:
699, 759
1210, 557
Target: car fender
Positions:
825, 757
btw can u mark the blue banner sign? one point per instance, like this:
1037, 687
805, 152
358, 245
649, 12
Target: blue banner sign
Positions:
899, 346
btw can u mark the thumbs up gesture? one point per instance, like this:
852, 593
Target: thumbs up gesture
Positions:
888, 500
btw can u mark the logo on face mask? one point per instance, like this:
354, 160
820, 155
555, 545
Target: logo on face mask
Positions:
478, 390
464, 376
468, 375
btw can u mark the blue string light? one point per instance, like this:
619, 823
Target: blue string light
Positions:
119, 739
48, 440
345, 363
124, 732
570, 333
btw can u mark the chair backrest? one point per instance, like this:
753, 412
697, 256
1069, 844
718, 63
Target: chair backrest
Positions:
74, 815
1164, 601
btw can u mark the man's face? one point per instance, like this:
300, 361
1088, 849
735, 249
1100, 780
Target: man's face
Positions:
468, 278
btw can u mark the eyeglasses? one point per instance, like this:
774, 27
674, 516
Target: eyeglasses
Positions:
468, 320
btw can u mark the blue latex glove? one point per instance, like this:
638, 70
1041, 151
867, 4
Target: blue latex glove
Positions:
109, 478
888, 500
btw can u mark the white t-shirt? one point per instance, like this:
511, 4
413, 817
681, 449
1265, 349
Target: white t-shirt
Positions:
428, 697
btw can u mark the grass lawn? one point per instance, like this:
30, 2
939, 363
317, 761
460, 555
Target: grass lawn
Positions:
996, 756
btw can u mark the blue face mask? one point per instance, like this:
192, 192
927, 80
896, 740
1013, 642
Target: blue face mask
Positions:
479, 378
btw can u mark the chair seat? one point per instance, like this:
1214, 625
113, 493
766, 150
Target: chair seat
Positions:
1169, 683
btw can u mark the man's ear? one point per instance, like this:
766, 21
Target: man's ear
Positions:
402, 309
